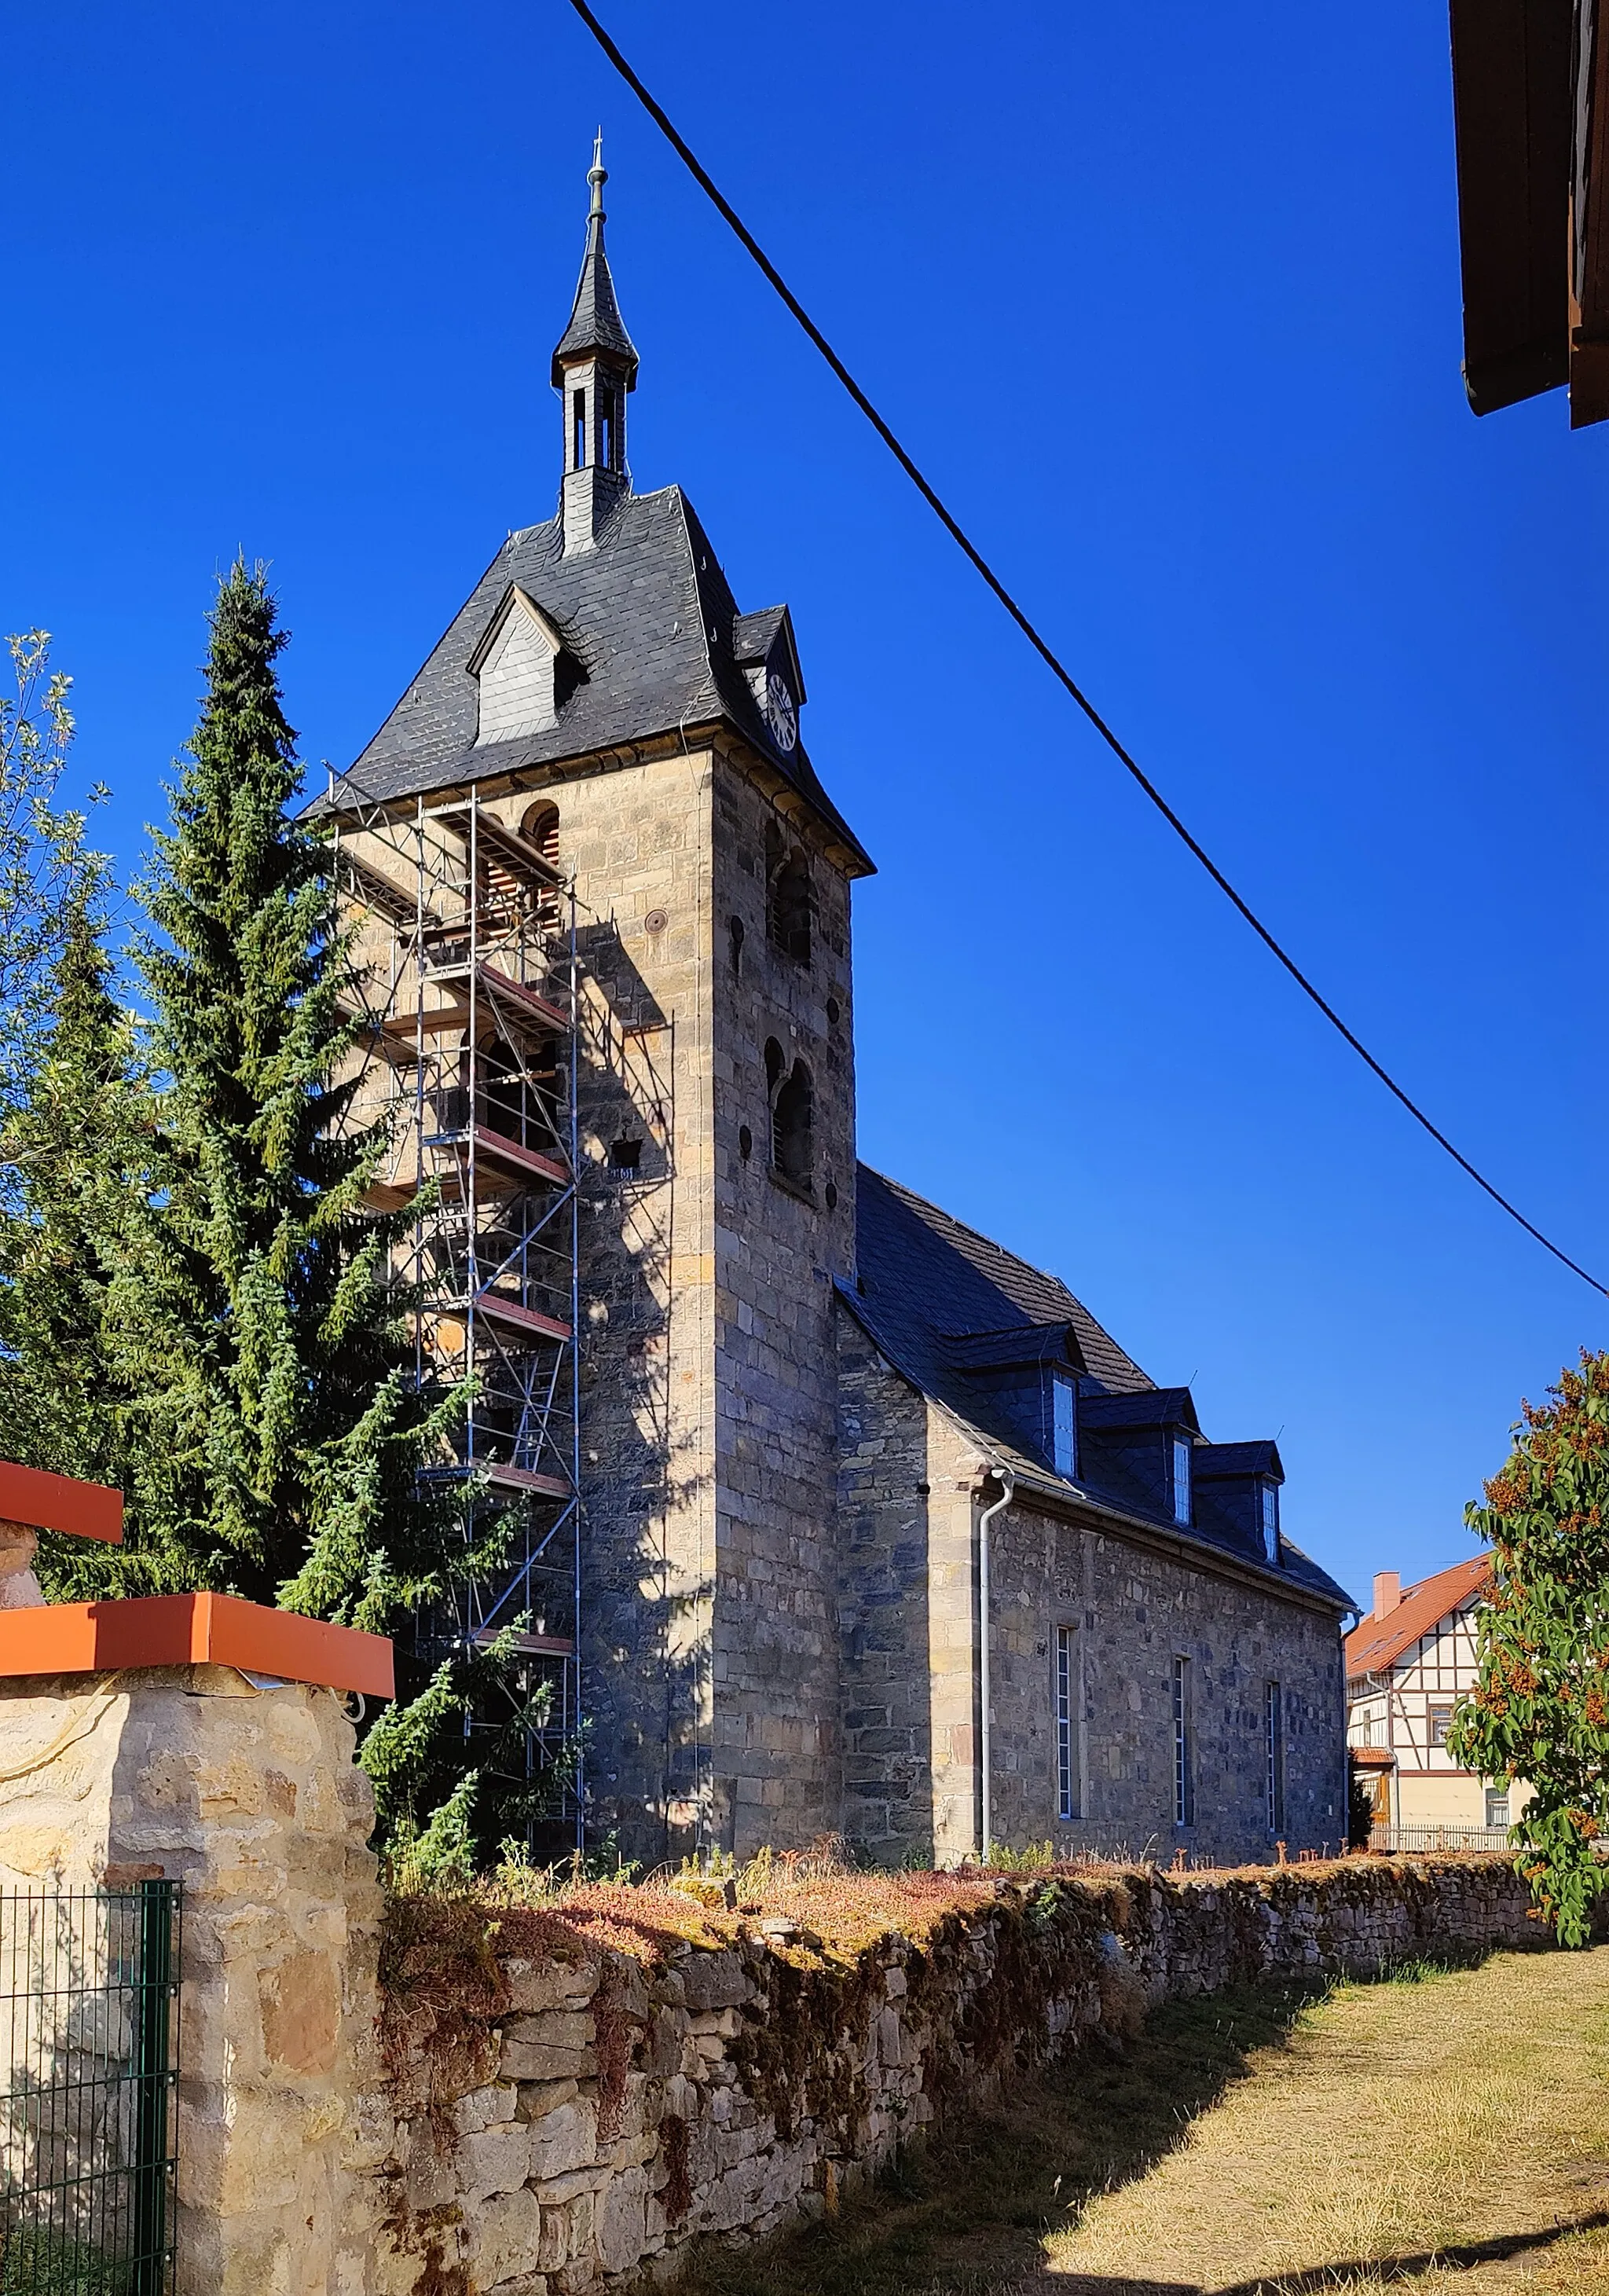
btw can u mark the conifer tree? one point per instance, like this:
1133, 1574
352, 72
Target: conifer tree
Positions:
73, 1144
270, 1366
1539, 1711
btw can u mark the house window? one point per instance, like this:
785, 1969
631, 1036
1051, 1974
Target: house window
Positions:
1273, 1750
1184, 1779
1067, 1690
1064, 1424
1367, 1737
1497, 1807
1270, 1522
1440, 1723
1181, 1480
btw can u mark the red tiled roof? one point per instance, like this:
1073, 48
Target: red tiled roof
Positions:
1374, 1643
1373, 1758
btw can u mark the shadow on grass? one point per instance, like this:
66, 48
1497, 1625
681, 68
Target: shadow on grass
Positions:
964, 2212
1383, 2272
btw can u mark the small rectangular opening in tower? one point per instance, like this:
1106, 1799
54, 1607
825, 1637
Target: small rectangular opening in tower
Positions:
577, 459
606, 428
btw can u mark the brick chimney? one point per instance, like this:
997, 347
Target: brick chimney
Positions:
1388, 1593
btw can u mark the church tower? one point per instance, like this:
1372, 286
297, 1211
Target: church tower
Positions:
601, 703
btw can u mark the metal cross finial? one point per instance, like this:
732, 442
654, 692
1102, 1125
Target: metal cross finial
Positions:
597, 175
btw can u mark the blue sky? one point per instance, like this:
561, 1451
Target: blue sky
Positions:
1167, 301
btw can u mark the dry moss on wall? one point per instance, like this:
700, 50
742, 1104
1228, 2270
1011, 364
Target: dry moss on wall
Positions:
582, 2087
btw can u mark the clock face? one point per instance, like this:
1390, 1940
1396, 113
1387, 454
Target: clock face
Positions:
782, 712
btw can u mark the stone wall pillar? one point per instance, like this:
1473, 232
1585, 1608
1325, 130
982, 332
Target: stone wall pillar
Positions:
247, 1794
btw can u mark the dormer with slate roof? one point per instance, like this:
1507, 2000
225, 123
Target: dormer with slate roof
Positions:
516, 666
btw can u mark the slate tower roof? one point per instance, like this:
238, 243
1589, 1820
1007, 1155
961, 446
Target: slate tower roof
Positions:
651, 643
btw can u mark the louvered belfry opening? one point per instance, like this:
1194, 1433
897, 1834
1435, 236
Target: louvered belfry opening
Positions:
462, 957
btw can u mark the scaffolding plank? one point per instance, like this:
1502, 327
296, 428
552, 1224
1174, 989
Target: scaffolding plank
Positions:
503, 1157
528, 1320
530, 1645
403, 1030
388, 1196
523, 1479
517, 854
379, 891
515, 999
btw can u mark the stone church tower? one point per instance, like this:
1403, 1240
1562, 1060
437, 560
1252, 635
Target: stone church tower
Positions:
607, 698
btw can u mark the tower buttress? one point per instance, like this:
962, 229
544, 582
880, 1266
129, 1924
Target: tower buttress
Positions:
594, 366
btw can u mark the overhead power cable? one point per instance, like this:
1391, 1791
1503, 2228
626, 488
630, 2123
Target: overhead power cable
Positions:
1042, 646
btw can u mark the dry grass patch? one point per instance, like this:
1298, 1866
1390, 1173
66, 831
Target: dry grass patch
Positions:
1442, 2129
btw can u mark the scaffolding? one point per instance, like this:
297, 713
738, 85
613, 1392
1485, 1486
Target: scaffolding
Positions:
462, 948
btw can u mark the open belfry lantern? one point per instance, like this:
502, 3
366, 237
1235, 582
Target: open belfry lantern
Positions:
38, 1637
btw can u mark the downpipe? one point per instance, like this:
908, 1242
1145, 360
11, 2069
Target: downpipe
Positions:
1008, 1484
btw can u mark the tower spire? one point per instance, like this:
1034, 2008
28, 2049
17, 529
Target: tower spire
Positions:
595, 365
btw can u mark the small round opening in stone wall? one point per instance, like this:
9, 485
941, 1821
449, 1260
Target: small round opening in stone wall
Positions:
745, 1142
831, 1195
834, 1010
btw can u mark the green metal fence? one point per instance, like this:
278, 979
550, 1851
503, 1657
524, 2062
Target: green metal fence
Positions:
89, 2056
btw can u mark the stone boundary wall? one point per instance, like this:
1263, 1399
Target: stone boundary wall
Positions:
578, 2120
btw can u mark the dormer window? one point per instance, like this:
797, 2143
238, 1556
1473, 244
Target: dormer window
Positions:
1270, 1522
515, 666
1063, 1425
1181, 1480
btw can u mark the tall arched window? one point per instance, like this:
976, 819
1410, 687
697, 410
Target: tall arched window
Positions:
793, 1123
540, 827
787, 899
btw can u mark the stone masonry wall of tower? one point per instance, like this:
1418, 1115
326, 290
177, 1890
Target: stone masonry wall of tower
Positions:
638, 841
777, 1774
708, 1401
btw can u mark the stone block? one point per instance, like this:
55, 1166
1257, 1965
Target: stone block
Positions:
501, 2236
536, 1986
484, 2108
497, 2160
622, 2222
565, 2139
539, 2098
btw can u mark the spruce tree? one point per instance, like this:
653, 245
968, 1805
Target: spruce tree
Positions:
275, 1411
74, 1146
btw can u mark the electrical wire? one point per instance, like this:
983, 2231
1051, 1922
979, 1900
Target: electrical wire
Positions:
1041, 645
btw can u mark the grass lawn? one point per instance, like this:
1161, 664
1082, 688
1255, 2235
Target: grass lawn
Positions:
1445, 2131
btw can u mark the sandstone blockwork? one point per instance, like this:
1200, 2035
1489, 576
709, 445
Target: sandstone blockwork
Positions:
571, 2120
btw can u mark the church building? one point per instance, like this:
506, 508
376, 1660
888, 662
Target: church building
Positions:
840, 1518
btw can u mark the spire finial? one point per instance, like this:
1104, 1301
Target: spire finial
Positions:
597, 176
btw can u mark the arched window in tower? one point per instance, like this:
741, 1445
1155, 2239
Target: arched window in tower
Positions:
577, 422
793, 1125
540, 827
788, 907
734, 933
